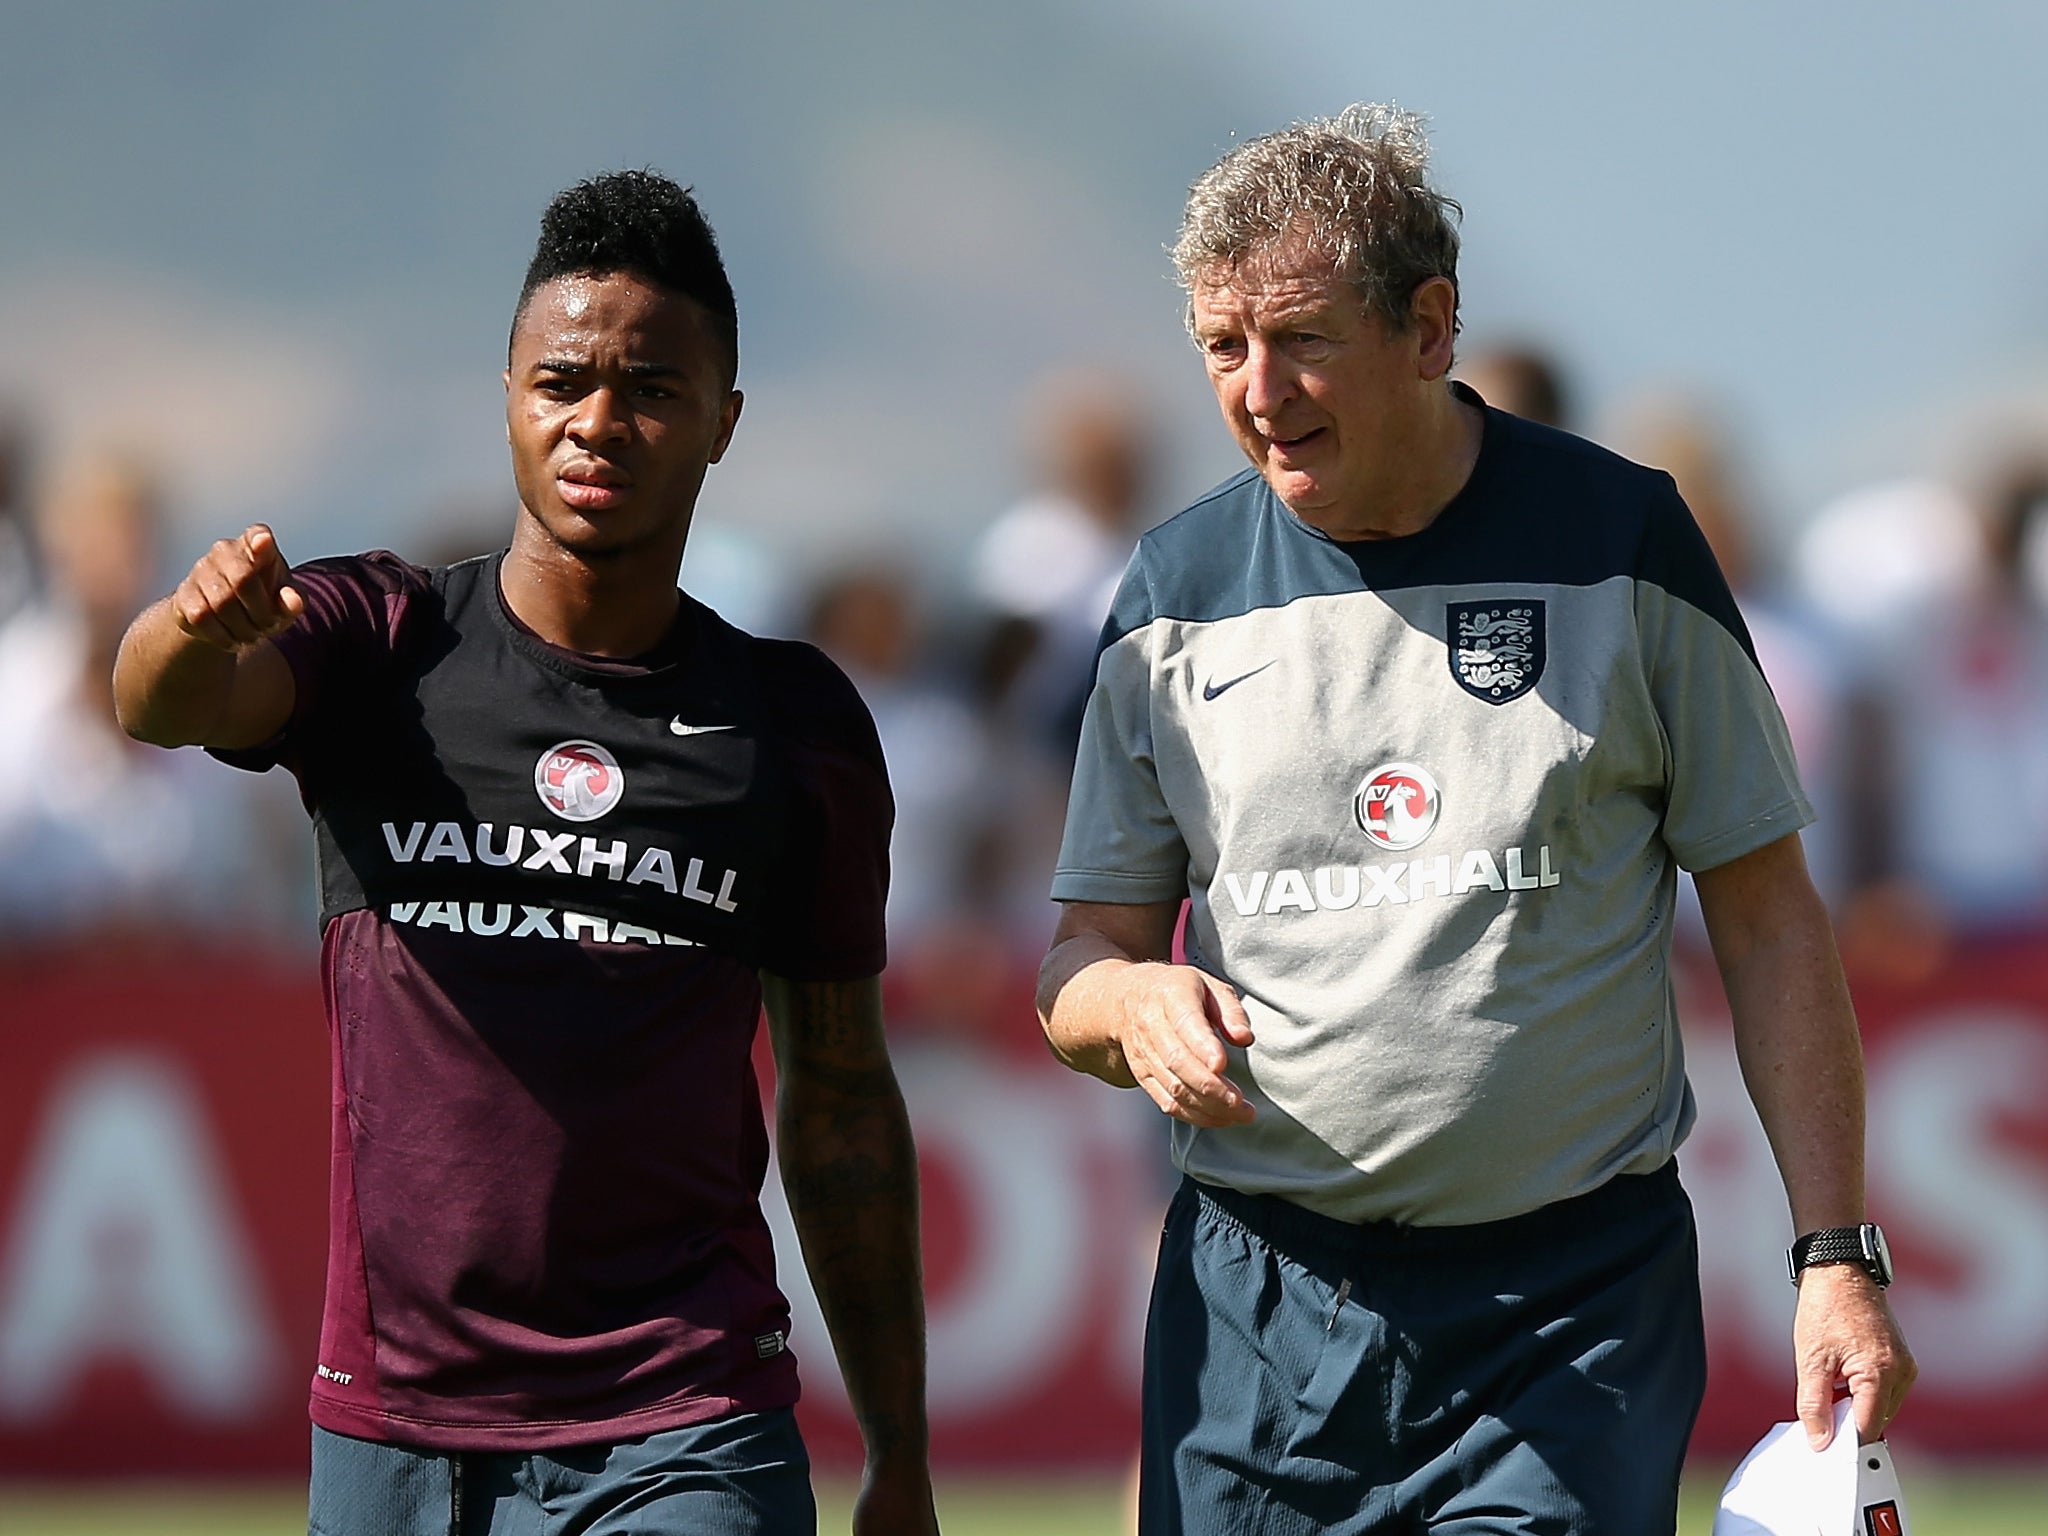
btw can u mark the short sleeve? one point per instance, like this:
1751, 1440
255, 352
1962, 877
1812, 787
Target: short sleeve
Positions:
833, 887
356, 610
1733, 785
1122, 844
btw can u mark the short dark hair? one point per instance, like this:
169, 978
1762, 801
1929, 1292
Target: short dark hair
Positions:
639, 222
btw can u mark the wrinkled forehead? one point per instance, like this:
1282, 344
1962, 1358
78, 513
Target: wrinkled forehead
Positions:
1274, 276
1298, 250
1296, 257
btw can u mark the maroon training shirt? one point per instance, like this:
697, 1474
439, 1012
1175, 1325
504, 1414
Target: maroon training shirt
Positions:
548, 882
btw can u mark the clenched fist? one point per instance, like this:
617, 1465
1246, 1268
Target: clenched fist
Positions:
238, 593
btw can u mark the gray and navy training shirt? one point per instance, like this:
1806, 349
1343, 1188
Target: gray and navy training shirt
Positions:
1427, 797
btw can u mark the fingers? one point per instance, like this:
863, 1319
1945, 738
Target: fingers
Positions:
237, 593
1874, 1401
1185, 1082
1879, 1391
1173, 1042
1845, 1336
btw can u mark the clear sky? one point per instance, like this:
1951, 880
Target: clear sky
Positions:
278, 244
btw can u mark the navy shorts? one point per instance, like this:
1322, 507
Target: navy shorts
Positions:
744, 1475
1538, 1375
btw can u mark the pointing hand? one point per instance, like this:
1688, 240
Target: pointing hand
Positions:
238, 593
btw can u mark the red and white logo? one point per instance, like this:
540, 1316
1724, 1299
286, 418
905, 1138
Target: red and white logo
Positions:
578, 780
1397, 806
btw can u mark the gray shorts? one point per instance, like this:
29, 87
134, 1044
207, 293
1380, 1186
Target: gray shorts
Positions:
744, 1475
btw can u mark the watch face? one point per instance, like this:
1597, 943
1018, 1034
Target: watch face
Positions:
1878, 1251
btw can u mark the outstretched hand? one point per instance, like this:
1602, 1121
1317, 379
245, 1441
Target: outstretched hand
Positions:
1844, 1334
238, 593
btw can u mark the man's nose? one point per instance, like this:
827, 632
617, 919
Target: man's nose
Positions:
1268, 380
600, 417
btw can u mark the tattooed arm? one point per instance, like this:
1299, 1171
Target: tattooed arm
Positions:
848, 1164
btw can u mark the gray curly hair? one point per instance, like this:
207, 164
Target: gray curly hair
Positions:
1352, 190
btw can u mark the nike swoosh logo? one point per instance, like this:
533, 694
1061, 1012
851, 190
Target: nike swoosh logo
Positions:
1212, 690
677, 727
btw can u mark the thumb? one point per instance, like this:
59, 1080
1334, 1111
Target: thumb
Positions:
290, 603
1232, 1022
1864, 1412
1816, 1403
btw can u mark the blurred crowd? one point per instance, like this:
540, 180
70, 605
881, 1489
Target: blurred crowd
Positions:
1904, 629
101, 837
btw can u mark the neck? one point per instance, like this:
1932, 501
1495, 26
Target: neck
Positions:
618, 604
1440, 452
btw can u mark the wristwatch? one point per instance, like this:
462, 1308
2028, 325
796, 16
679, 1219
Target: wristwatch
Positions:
1864, 1245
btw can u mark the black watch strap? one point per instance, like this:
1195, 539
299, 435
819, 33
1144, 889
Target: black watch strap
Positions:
1863, 1246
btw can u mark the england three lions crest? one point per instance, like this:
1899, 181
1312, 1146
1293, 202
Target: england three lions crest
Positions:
1496, 648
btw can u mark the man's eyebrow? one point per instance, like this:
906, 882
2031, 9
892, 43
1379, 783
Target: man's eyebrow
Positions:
631, 370
575, 367
1286, 311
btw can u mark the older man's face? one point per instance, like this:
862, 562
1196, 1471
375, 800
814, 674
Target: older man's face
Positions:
1323, 397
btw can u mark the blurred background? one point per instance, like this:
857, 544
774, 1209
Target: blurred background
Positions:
257, 262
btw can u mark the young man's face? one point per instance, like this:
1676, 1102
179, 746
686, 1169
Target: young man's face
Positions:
1322, 395
616, 402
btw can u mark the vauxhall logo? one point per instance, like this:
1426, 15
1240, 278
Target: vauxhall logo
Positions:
578, 780
1340, 887
1397, 807
540, 851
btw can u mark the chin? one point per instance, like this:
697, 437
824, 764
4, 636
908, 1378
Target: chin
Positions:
1296, 489
576, 535
604, 544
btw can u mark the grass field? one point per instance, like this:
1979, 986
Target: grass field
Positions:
1939, 1503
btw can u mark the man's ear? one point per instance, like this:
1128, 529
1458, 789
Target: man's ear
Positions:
734, 403
1433, 321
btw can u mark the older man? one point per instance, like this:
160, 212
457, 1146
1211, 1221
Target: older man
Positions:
1422, 715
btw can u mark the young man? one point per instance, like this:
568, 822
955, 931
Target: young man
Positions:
573, 830
1422, 714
